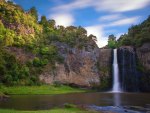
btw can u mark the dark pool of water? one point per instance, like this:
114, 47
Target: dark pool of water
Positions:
40, 102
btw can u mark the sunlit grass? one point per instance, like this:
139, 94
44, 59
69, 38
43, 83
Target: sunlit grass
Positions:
68, 108
43, 89
57, 110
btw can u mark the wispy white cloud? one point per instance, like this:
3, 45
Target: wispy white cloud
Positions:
121, 5
77, 4
96, 30
64, 19
102, 42
110, 17
124, 21
64, 14
99, 33
118, 35
105, 5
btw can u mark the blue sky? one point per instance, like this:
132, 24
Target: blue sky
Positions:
99, 17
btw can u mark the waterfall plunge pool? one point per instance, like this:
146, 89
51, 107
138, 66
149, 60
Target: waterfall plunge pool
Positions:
101, 101
97, 100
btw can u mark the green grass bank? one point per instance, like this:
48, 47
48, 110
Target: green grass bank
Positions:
43, 89
56, 110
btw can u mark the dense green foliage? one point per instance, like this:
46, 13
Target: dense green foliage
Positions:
34, 13
137, 35
16, 26
34, 40
112, 43
12, 72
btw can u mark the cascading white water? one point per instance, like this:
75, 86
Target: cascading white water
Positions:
116, 83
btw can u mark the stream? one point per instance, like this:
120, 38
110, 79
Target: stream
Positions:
103, 101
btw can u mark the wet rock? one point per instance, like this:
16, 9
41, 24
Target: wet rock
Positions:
120, 109
127, 69
143, 54
134, 68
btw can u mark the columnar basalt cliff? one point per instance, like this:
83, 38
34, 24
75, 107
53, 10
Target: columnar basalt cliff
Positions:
134, 57
39, 50
80, 67
34, 51
143, 56
134, 68
105, 68
127, 69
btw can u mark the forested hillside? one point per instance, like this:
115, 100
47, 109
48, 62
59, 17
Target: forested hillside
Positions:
27, 45
137, 35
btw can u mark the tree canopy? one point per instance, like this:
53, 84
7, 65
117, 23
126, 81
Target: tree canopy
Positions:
112, 43
23, 33
137, 35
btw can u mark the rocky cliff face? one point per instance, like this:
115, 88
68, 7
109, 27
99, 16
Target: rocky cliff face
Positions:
134, 68
143, 55
127, 68
105, 68
37, 47
80, 66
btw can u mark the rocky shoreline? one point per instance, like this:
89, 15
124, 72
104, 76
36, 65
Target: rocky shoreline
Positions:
120, 109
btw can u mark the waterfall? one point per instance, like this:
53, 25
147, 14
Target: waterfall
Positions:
116, 83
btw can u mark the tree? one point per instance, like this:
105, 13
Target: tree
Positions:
52, 23
112, 41
34, 13
82, 33
10, 1
43, 21
124, 40
137, 35
112, 37
92, 37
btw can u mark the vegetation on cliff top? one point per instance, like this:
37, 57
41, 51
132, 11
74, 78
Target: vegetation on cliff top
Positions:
137, 35
112, 43
26, 47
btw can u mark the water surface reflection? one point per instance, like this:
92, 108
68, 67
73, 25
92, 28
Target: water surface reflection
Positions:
37, 102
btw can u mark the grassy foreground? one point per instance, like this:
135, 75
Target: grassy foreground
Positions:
68, 108
58, 110
35, 90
